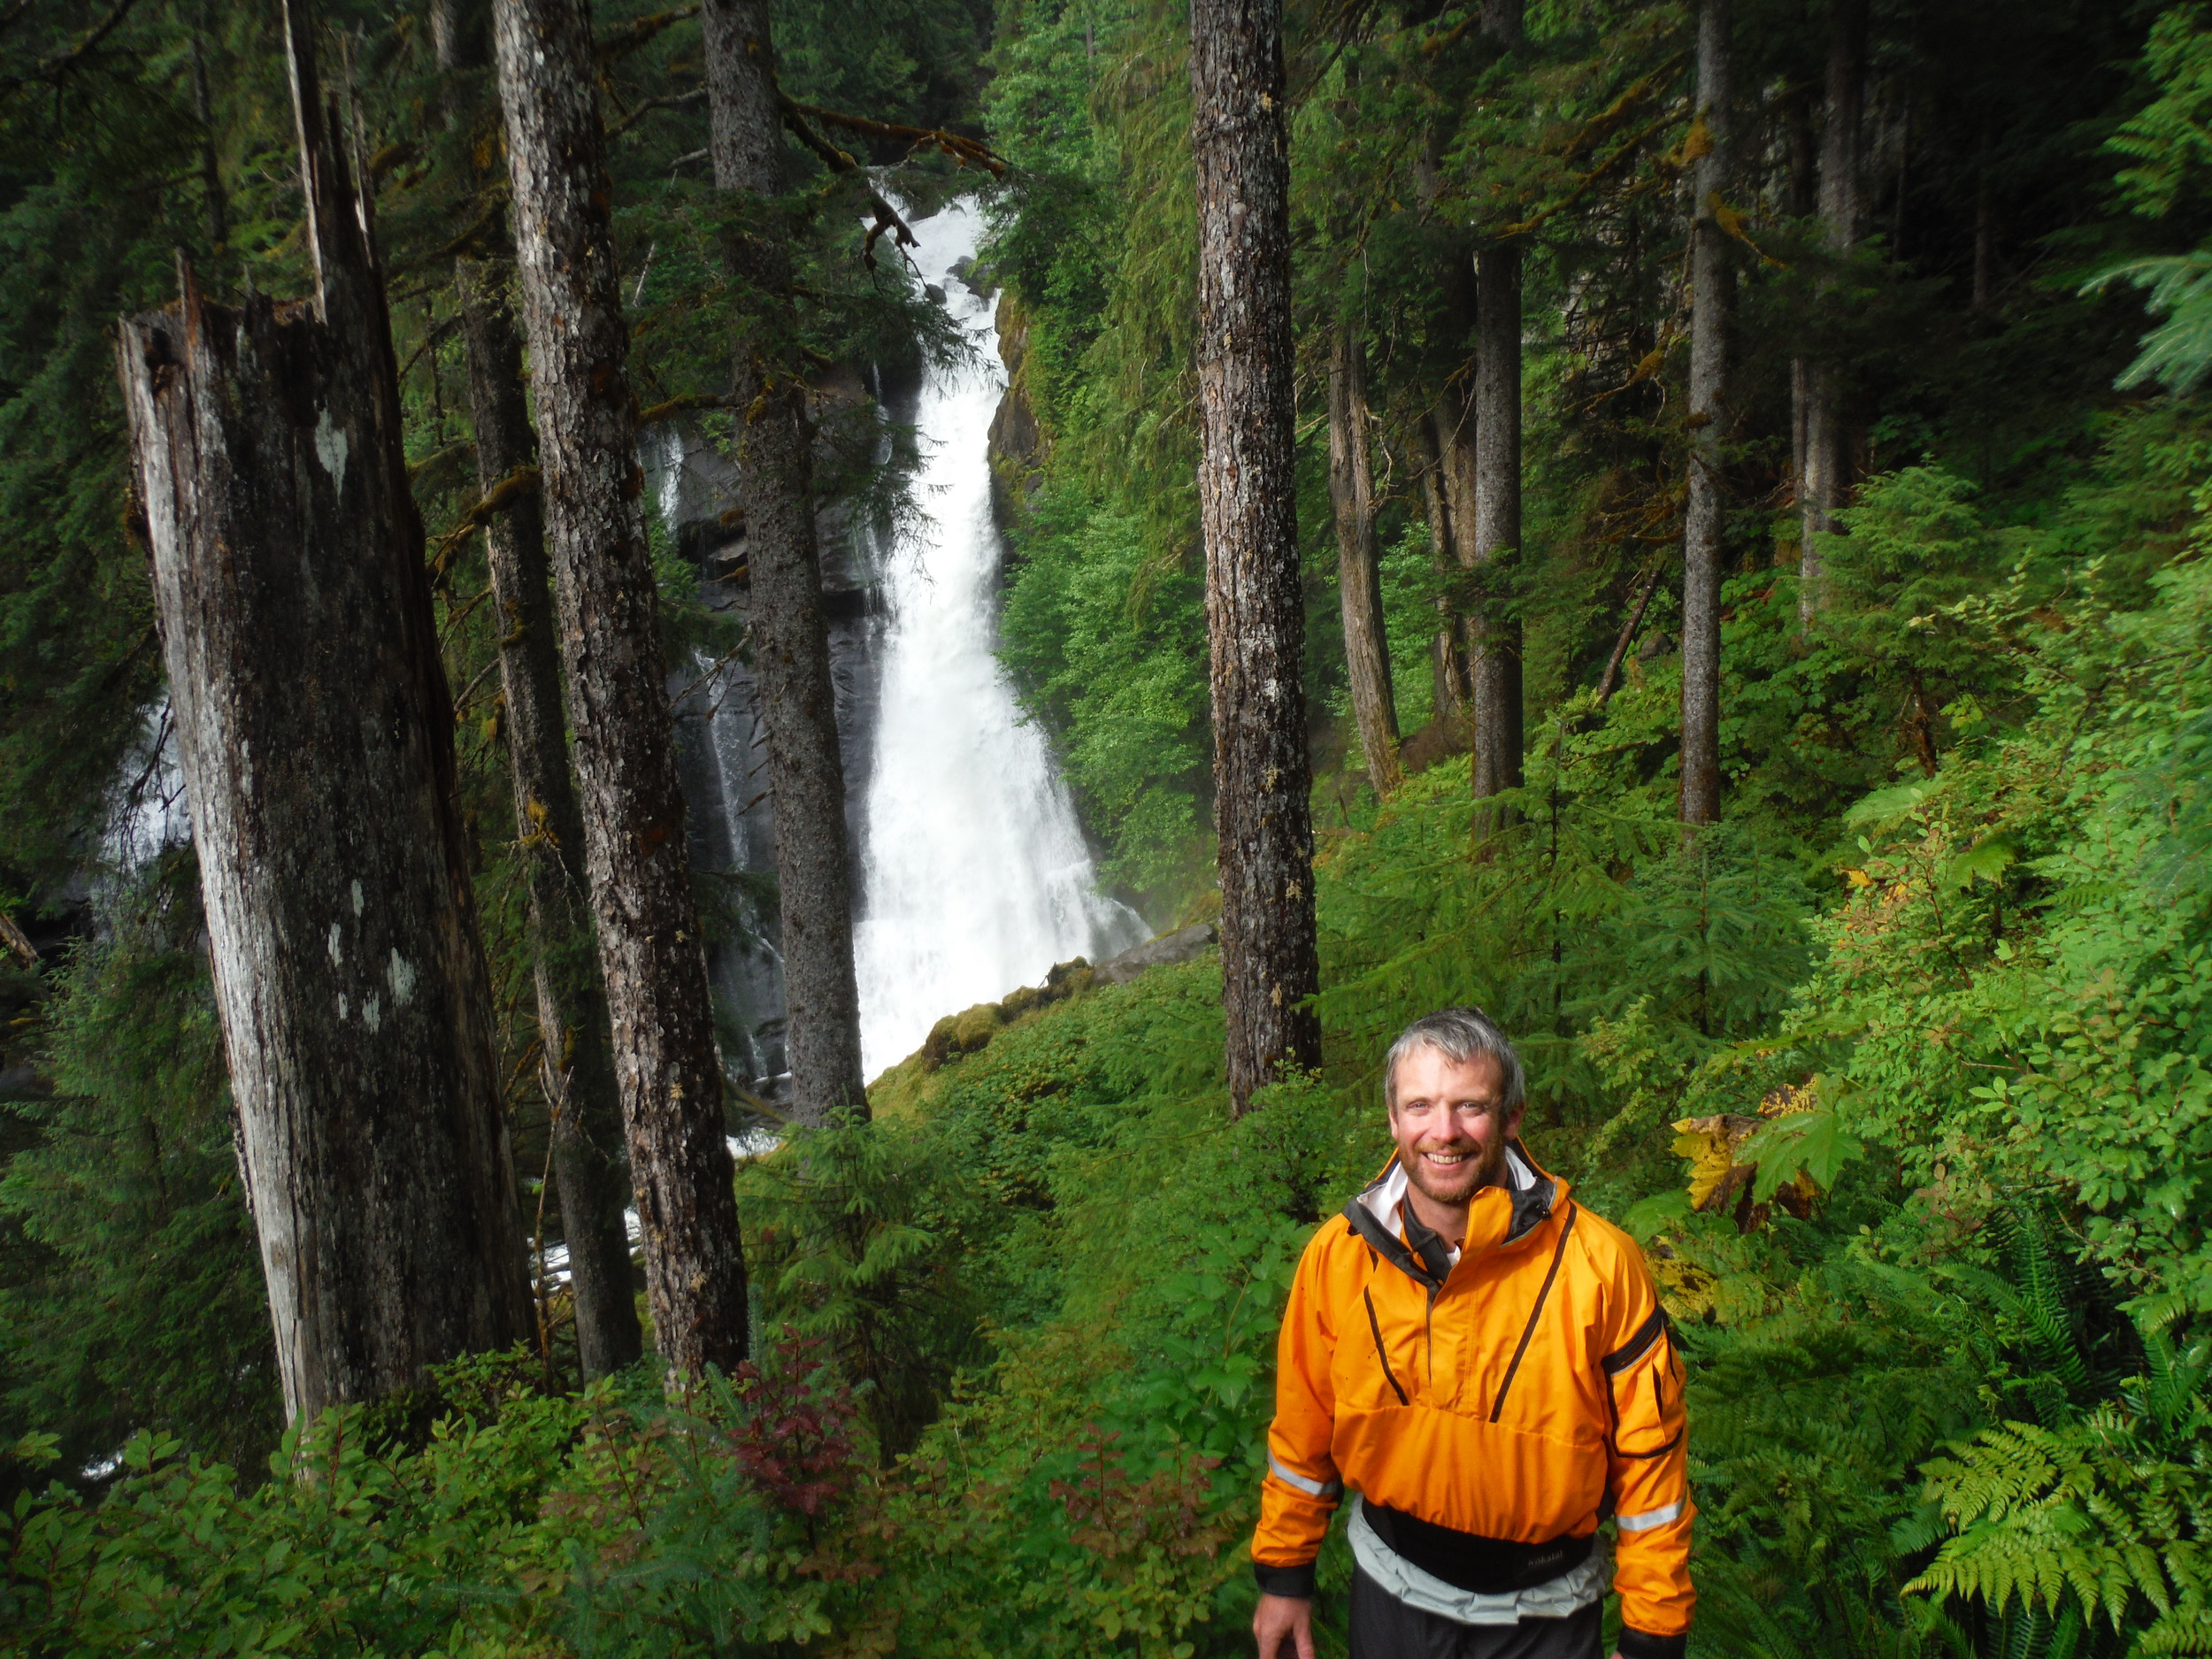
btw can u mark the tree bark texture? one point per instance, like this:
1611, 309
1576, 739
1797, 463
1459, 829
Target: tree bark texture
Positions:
578, 1066
1827, 468
1493, 632
1447, 495
790, 637
316, 735
649, 949
1800, 154
1359, 570
1247, 511
1447, 437
1712, 297
1447, 675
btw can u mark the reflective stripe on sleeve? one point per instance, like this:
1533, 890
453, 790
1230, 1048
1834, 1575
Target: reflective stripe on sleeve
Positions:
1650, 1518
1315, 1489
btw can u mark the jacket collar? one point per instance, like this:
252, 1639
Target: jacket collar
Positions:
1499, 1218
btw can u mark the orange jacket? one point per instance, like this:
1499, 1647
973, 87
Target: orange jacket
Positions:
1529, 1392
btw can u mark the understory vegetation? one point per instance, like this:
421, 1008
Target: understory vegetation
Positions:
1901, 1073
1915, 1149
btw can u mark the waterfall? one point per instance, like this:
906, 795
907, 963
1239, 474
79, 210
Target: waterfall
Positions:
974, 875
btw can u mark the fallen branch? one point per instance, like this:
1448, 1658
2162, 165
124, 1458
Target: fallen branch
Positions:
1611, 682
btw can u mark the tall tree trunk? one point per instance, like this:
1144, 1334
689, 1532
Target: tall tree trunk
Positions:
649, 948
1827, 446
1797, 202
578, 1066
1447, 661
1247, 510
316, 730
1712, 301
1449, 435
806, 770
1359, 572
1493, 632
216, 204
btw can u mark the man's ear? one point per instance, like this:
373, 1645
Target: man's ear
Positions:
1513, 1121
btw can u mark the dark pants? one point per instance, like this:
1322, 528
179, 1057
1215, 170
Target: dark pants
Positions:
1384, 1627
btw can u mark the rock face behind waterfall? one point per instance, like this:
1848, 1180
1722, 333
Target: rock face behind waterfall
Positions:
722, 748
1020, 444
970, 866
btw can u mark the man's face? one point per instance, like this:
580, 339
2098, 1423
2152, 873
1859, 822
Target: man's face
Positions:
1450, 1124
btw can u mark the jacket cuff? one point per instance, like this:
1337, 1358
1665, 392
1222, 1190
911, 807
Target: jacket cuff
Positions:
1297, 1582
1636, 1644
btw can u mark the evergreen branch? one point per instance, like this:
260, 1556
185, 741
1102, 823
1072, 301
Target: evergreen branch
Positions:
639, 32
1591, 179
838, 161
55, 69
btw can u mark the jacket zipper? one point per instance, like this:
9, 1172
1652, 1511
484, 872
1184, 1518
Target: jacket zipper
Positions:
1565, 1233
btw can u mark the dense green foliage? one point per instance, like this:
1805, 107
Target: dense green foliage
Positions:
1902, 1073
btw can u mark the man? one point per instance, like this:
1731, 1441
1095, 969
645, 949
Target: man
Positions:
1487, 1365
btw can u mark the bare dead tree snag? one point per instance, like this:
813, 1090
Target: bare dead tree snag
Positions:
1359, 570
316, 740
790, 637
577, 1065
1712, 301
1247, 510
650, 953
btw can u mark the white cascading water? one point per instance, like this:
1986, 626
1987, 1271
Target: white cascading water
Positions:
975, 877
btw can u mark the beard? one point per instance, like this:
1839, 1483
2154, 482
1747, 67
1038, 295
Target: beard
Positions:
1460, 1183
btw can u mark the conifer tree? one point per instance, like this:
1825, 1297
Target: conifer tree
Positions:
574, 1059
649, 946
1824, 482
1711, 296
1359, 574
575, 1065
1248, 509
1495, 630
790, 640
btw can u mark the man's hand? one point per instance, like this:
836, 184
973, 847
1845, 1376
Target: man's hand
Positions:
1283, 1621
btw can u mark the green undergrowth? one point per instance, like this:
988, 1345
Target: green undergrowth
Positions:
1946, 1327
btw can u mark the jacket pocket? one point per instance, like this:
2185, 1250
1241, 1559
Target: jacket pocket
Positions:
1644, 1391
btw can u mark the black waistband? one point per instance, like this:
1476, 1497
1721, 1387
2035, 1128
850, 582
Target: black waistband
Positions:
1487, 1566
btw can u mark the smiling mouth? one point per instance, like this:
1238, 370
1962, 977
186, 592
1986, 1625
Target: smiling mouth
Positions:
1445, 1160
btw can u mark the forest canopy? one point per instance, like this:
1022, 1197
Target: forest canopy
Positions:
1809, 773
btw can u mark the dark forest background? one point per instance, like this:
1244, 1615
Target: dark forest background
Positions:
1901, 1071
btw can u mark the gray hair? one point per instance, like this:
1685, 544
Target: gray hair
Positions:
1460, 1034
